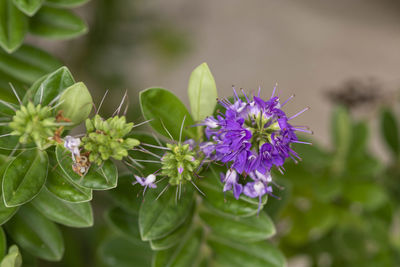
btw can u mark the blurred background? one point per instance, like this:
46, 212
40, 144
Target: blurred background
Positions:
340, 57
308, 47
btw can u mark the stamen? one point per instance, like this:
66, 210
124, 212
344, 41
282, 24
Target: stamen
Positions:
299, 113
273, 92
140, 124
147, 160
165, 128
162, 192
197, 188
146, 151
301, 142
54, 100
15, 93
8, 105
180, 133
156, 138
287, 100
120, 104
248, 101
159, 147
135, 162
101, 102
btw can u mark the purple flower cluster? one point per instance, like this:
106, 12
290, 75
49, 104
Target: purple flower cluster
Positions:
251, 137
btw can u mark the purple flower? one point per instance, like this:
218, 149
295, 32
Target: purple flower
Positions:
231, 183
148, 181
72, 144
251, 137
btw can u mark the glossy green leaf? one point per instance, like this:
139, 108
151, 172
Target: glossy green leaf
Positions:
202, 92
158, 218
126, 195
173, 238
57, 23
65, 189
390, 131
7, 143
186, 253
13, 26
3, 243
76, 103
98, 177
26, 65
126, 224
36, 234
29, 7
66, 213
49, 87
120, 252
212, 187
160, 105
24, 177
248, 229
232, 254
66, 3
5, 212
13, 258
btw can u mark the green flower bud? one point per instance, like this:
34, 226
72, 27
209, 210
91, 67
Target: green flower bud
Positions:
34, 124
179, 164
105, 138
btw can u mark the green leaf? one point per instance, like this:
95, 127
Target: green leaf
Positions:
160, 105
186, 253
202, 92
29, 7
120, 252
66, 3
13, 26
55, 23
3, 243
359, 139
24, 177
13, 258
249, 229
173, 238
232, 254
158, 218
26, 65
125, 195
49, 87
7, 143
390, 131
5, 212
342, 134
212, 187
36, 234
125, 224
98, 177
66, 213
76, 103
65, 189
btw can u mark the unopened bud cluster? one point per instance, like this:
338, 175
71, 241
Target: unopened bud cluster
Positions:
179, 163
34, 124
105, 138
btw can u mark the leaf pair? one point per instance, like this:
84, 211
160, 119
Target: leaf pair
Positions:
167, 112
17, 17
